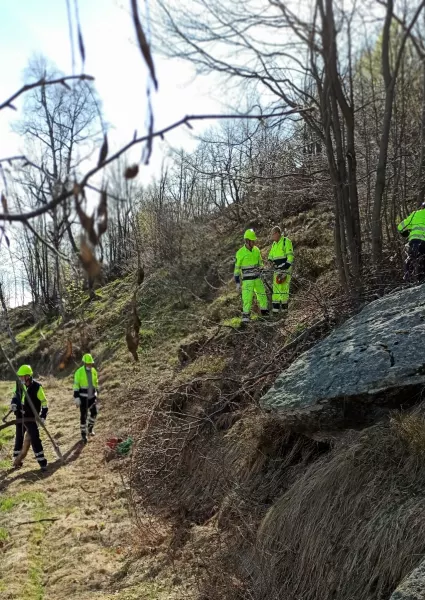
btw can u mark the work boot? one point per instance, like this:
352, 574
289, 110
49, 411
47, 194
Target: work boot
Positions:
245, 318
84, 438
264, 314
43, 469
91, 432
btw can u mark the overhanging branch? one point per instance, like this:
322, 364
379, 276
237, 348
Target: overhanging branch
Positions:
41, 83
21, 217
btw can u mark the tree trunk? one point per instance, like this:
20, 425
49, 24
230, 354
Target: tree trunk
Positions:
421, 177
6, 317
380, 179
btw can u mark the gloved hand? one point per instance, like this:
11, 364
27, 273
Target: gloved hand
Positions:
13, 407
43, 414
238, 287
77, 401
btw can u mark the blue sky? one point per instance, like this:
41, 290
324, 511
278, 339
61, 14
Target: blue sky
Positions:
41, 26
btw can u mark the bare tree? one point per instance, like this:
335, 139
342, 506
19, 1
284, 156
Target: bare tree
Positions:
60, 128
5, 311
122, 241
310, 55
390, 79
46, 188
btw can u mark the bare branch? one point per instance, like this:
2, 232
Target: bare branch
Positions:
45, 242
187, 119
41, 83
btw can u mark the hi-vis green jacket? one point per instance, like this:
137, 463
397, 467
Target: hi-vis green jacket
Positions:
81, 383
282, 254
414, 224
247, 263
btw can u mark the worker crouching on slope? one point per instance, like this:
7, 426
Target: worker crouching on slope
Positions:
248, 263
282, 256
85, 395
413, 227
22, 409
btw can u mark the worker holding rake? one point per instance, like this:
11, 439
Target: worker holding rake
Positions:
27, 432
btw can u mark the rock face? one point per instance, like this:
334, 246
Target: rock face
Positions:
413, 587
377, 355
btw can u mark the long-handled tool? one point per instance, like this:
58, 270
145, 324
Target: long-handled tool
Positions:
17, 461
6, 415
31, 405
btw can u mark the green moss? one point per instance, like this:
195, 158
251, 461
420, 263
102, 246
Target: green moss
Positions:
23, 335
9, 502
33, 588
224, 306
235, 322
146, 336
6, 504
226, 299
205, 365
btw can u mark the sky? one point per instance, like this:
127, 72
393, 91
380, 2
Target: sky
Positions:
41, 26
29, 27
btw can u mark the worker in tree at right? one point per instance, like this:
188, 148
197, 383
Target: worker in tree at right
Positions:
282, 256
413, 227
85, 395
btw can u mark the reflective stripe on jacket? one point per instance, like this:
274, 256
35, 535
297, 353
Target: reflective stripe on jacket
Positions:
282, 254
415, 225
36, 393
247, 263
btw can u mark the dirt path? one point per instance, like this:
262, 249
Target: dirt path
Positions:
79, 537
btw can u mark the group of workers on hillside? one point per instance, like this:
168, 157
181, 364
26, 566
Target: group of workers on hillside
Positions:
249, 266
29, 402
248, 273
249, 269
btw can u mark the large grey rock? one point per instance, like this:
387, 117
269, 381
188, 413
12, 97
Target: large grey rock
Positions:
413, 587
378, 355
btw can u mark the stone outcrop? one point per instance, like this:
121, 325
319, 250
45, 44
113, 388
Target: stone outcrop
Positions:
375, 361
413, 587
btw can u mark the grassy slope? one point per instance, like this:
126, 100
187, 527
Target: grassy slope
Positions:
87, 551
93, 549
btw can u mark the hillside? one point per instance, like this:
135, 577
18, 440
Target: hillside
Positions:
179, 518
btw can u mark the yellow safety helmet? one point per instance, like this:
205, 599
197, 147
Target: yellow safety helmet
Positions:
24, 370
250, 235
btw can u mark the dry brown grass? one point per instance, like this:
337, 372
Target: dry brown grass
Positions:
273, 515
411, 429
352, 526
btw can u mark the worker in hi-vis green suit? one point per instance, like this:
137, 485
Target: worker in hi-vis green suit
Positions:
413, 227
282, 256
248, 263
86, 389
